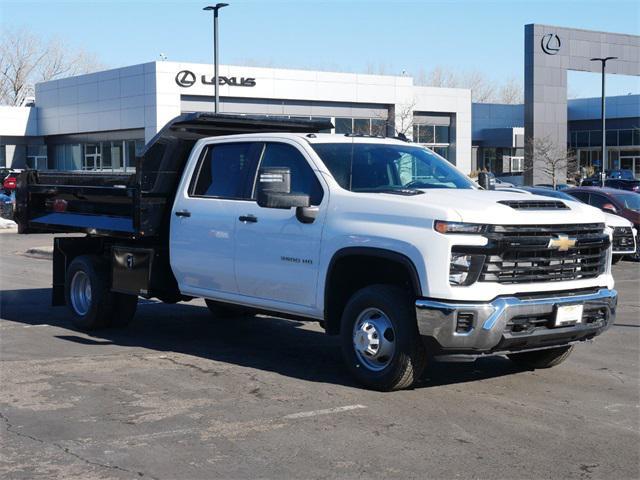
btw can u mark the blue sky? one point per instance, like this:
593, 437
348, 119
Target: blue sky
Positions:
333, 35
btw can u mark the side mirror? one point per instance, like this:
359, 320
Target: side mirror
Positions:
487, 180
274, 190
608, 207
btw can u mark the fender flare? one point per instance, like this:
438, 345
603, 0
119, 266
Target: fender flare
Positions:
391, 255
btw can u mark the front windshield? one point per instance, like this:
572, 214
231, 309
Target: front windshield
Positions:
629, 200
376, 167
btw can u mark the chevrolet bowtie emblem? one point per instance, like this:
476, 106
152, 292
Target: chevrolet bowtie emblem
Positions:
562, 242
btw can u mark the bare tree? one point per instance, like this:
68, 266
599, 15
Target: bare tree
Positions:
438, 77
403, 122
26, 59
511, 92
553, 160
399, 119
483, 89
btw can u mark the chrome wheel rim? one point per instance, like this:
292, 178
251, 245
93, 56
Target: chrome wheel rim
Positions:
80, 293
374, 339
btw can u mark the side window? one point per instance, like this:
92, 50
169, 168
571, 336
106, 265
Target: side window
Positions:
582, 196
222, 171
597, 200
303, 179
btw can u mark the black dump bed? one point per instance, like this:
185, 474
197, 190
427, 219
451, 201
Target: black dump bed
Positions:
133, 205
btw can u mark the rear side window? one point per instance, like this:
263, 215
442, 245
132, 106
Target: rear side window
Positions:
222, 172
303, 179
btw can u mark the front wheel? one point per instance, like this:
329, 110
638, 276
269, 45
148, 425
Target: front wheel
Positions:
380, 340
542, 358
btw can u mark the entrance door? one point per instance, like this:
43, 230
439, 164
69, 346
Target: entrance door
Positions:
277, 256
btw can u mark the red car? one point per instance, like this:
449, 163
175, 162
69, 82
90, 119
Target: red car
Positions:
9, 179
620, 202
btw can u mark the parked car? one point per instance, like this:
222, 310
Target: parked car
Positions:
9, 178
610, 200
559, 186
617, 183
624, 233
502, 184
382, 241
622, 174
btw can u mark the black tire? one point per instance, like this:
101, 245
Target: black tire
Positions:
616, 258
124, 309
542, 358
409, 357
225, 311
98, 312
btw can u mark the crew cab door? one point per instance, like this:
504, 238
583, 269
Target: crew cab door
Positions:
277, 255
205, 216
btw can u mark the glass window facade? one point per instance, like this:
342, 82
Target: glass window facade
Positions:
436, 137
502, 160
623, 149
37, 157
116, 156
615, 138
360, 126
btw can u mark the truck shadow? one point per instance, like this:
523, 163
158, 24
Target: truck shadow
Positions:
294, 349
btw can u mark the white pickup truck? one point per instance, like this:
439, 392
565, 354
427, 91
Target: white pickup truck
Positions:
383, 242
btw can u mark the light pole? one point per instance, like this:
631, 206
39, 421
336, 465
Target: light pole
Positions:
604, 61
215, 9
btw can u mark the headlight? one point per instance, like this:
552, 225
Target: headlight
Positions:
459, 269
464, 269
457, 227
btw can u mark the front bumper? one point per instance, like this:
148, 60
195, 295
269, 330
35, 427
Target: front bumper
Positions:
512, 323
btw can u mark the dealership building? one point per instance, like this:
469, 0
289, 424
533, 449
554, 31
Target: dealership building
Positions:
100, 121
498, 135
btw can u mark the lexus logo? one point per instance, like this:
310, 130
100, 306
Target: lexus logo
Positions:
185, 78
550, 43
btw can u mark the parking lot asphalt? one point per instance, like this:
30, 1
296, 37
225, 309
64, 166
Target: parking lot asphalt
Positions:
179, 395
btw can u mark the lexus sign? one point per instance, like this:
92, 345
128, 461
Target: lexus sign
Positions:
550, 43
186, 79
